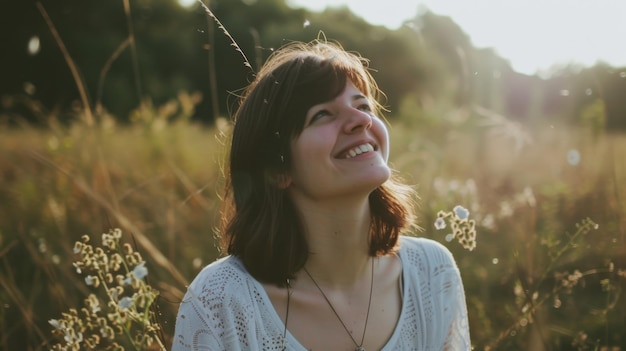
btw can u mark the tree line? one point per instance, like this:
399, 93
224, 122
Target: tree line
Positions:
126, 51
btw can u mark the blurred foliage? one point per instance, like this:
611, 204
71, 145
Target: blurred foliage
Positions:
155, 48
62, 183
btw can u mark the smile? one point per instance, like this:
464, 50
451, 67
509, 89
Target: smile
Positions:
361, 149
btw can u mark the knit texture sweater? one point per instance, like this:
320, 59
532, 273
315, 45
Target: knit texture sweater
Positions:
225, 308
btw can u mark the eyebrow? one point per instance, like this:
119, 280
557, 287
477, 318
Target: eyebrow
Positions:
358, 97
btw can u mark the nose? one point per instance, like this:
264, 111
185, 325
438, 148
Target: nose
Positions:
357, 120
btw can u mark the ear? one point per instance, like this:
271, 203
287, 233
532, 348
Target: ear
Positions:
283, 180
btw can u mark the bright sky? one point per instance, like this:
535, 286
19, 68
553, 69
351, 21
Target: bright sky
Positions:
532, 34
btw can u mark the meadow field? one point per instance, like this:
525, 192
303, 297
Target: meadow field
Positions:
548, 272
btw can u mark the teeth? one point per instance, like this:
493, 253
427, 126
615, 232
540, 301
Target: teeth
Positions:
359, 150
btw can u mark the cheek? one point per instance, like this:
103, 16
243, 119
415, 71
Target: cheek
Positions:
305, 152
311, 145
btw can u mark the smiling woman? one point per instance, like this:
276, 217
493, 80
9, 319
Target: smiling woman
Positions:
312, 225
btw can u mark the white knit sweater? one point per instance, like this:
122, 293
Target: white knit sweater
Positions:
226, 309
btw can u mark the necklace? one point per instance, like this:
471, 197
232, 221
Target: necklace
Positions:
359, 347
287, 315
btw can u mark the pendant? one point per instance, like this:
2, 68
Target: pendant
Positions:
359, 348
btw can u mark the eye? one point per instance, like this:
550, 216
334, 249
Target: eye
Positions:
318, 115
365, 108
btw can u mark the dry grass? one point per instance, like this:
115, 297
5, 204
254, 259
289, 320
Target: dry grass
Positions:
159, 179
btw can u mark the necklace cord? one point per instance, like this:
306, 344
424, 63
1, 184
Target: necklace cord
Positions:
369, 305
286, 315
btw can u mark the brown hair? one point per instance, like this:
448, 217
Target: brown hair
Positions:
259, 221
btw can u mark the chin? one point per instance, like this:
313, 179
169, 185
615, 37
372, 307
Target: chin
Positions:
383, 173
377, 178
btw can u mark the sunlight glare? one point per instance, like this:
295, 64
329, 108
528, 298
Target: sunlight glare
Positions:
187, 3
533, 35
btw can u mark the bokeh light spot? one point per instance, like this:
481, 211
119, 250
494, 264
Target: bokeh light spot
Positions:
34, 46
573, 157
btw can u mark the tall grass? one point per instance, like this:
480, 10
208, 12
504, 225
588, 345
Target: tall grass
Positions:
158, 180
543, 276
535, 281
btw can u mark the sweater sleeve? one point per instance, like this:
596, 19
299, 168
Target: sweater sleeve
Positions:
451, 296
455, 311
192, 327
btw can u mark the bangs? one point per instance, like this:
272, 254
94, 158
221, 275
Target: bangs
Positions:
320, 80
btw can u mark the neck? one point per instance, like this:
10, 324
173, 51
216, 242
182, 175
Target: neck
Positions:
338, 238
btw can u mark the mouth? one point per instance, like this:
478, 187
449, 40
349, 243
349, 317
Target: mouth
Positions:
356, 150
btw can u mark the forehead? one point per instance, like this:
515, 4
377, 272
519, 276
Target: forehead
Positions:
349, 91
324, 78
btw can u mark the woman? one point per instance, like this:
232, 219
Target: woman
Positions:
312, 221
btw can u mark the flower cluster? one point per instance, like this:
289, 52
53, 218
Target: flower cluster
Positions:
463, 228
117, 272
568, 280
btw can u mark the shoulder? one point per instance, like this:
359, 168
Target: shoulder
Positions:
434, 298
425, 254
216, 307
224, 273
428, 246
219, 283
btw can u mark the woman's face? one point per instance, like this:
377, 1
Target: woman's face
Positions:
342, 151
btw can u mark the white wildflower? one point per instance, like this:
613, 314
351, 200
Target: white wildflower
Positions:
55, 323
125, 302
90, 280
440, 223
461, 212
140, 271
